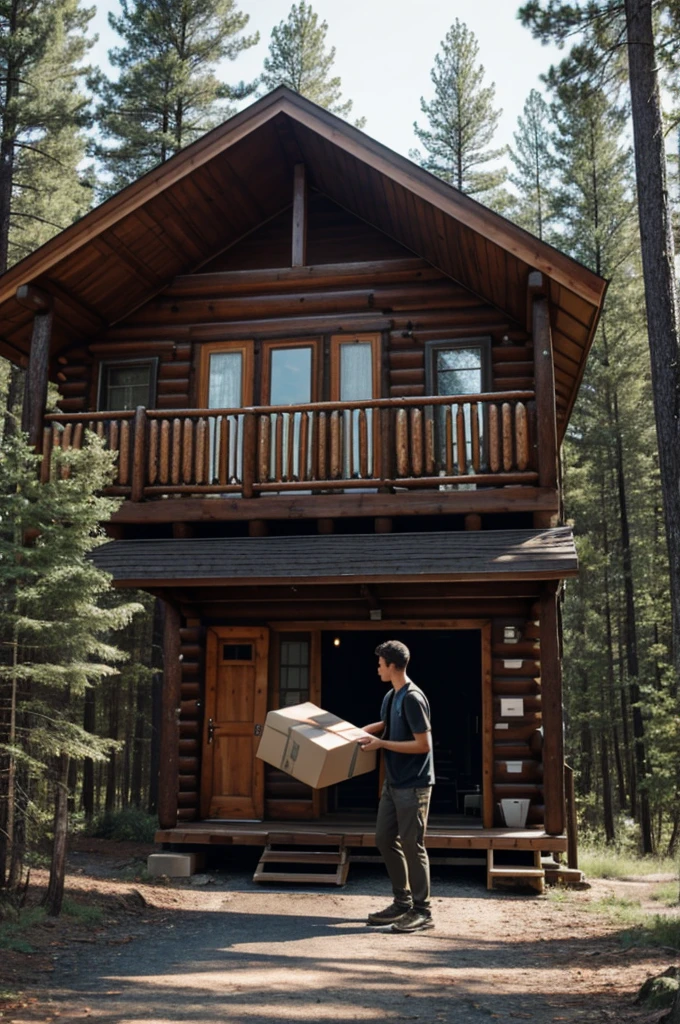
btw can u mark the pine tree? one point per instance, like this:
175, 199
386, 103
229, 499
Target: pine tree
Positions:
534, 165
57, 628
167, 93
299, 59
462, 120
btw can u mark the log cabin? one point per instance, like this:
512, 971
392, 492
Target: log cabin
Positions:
337, 388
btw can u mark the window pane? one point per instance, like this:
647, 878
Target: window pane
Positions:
291, 376
294, 672
224, 388
459, 371
126, 387
356, 372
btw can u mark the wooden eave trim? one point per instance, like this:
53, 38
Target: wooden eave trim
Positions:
297, 581
578, 376
419, 182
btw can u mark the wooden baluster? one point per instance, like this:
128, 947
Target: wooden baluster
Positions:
382, 425
278, 447
114, 446
223, 456
263, 460
507, 436
303, 446
176, 450
474, 424
206, 452
78, 431
138, 456
124, 457
65, 446
201, 439
417, 441
153, 451
45, 465
188, 452
494, 439
461, 440
521, 436
448, 430
101, 428
236, 449
363, 445
164, 466
322, 460
430, 453
336, 445
402, 442
249, 452
290, 447
314, 445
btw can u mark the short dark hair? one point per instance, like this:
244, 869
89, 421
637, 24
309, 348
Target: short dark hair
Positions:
394, 652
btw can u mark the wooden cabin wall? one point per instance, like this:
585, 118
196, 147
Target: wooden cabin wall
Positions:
408, 308
519, 740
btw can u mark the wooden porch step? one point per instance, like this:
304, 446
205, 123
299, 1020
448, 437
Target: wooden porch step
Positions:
534, 876
270, 855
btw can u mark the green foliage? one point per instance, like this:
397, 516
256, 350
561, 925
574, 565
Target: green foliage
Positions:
128, 825
608, 862
667, 893
657, 931
299, 59
82, 913
13, 930
167, 93
462, 120
44, 114
534, 163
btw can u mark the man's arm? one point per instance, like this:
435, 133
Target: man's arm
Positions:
420, 744
374, 727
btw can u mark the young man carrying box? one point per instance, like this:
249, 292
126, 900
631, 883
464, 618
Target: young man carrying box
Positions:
405, 800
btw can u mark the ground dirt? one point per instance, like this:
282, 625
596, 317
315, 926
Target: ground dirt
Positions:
228, 952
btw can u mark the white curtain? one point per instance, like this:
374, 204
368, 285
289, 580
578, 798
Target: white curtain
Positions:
356, 385
224, 392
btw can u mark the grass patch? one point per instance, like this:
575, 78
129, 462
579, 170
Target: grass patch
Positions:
667, 893
598, 862
657, 931
130, 825
83, 913
13, 932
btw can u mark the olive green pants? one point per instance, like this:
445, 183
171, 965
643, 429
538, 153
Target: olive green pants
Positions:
400, 837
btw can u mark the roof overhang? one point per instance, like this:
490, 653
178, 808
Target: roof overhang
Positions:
180, 215
466, 556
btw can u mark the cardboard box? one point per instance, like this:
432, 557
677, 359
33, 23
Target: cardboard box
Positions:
314, 746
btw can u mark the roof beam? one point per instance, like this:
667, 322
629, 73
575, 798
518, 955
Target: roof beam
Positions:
299, 241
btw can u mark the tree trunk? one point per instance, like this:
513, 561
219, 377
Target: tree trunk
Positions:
55, 889
156, 704
110, 797
138, 748
658, 265
89, 723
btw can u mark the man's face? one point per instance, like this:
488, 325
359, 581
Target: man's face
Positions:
384, 670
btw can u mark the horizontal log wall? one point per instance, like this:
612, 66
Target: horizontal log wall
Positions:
192, 651
356, 280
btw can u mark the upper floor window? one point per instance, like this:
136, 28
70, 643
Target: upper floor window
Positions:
125, 385
459, 367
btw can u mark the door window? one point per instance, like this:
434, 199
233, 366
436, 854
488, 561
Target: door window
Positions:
355, 377
293, 670
226, 383
458, 368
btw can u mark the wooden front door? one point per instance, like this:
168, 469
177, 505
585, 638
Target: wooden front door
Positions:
232, 784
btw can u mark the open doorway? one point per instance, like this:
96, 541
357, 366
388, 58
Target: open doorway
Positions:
447, 665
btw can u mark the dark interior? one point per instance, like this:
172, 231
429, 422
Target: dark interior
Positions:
446, 664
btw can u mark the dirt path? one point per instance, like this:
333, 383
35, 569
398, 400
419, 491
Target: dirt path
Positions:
229, 952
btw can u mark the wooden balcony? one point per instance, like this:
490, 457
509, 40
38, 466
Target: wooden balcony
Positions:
384, 444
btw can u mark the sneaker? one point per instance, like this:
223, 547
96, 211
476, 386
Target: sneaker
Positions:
395, 912
414, 921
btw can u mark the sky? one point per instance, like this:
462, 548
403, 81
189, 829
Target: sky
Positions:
385, 50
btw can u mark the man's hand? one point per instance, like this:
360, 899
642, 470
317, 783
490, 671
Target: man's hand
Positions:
370, 743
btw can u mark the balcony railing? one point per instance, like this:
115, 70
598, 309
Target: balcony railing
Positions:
434, 442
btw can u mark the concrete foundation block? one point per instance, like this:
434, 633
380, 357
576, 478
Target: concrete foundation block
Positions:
173, 865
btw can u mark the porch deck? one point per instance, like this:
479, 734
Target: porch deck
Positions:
351, 833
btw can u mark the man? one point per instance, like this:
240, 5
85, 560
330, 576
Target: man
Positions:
406, 739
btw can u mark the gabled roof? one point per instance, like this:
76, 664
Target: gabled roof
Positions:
180, 215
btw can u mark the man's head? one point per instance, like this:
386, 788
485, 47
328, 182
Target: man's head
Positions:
393, 657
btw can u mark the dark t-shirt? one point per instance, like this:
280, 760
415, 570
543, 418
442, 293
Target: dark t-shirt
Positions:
405, 713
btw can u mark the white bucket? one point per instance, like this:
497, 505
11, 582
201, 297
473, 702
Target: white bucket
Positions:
515, 812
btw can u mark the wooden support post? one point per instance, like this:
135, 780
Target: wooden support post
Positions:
572, 823
551, 708
544, 375
473, 521
168, 787
299, 254
383, 524
325, 526
258, 528
35, 395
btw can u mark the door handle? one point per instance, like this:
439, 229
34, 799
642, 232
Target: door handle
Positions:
257, 731
211, 730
